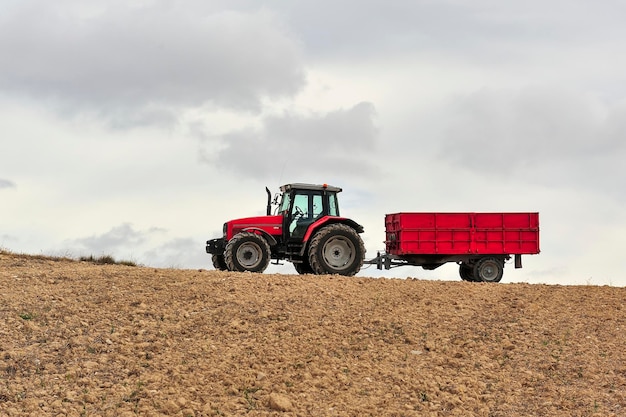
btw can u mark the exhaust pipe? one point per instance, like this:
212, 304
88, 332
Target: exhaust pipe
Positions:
269, 201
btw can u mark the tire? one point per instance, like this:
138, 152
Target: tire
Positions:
219, 263
303, 267
336, 249
466, 272
488, 270
247, 252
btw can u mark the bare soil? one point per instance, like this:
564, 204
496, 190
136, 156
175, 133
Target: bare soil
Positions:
79, 339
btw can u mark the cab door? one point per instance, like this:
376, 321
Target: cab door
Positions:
306, 208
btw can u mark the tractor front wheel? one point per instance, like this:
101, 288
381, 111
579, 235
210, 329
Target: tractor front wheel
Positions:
219, 263
247, 251
336, 249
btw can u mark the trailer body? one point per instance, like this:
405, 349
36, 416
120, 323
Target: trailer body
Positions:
479, 242
462, 233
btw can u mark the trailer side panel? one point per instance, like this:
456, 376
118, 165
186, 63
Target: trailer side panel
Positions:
462, 233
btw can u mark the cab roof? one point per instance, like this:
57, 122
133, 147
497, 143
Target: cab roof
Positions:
316, 187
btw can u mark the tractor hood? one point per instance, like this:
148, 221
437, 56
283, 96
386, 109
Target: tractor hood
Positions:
272, 225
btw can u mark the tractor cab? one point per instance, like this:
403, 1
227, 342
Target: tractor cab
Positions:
303, 204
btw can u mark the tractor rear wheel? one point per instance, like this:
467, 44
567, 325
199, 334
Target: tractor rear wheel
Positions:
336, 249
488, 270
247, 251
219, 263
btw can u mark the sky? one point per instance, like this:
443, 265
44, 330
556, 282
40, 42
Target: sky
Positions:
135, 129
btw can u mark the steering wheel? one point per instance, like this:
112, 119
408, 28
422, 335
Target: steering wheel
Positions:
299, 212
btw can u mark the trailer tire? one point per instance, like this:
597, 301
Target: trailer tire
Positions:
336, 249
219, 263
466, 272
488, 270
247, 252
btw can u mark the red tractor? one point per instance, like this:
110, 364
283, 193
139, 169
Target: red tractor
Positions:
306, 230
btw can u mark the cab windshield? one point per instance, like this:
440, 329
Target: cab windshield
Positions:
284, 203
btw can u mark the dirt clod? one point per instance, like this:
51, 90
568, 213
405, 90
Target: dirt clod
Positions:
279, 402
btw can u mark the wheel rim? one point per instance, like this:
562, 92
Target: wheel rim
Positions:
249, 255
339, 253
489, 271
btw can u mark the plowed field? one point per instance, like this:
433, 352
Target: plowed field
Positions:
80, 339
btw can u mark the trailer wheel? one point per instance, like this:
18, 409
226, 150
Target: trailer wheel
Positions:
336, 249
466, 272
247, 251
219, 262
488, 270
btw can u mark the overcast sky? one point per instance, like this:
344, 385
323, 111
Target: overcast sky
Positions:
136, 129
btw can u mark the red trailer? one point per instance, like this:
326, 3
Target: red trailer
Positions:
479, 242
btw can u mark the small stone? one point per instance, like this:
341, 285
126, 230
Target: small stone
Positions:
279, 402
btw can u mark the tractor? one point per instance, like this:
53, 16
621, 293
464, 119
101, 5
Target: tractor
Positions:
306, 229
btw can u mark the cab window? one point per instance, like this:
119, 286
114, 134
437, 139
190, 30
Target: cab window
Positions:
318, 206
333, 207
284, 204
300, 211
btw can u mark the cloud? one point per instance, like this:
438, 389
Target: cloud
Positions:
179, 252
7, 238
542, 134
120, 239
477, 30
334, 143
6, 184
145, 58
151, 247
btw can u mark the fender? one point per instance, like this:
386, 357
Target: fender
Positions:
270, 239
324, 221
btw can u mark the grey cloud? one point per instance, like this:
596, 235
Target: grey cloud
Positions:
125, 242
6, 184
118, 57
178, 253
149, 115
120, 237
477, 30
7, 238
334, 143
539, 134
